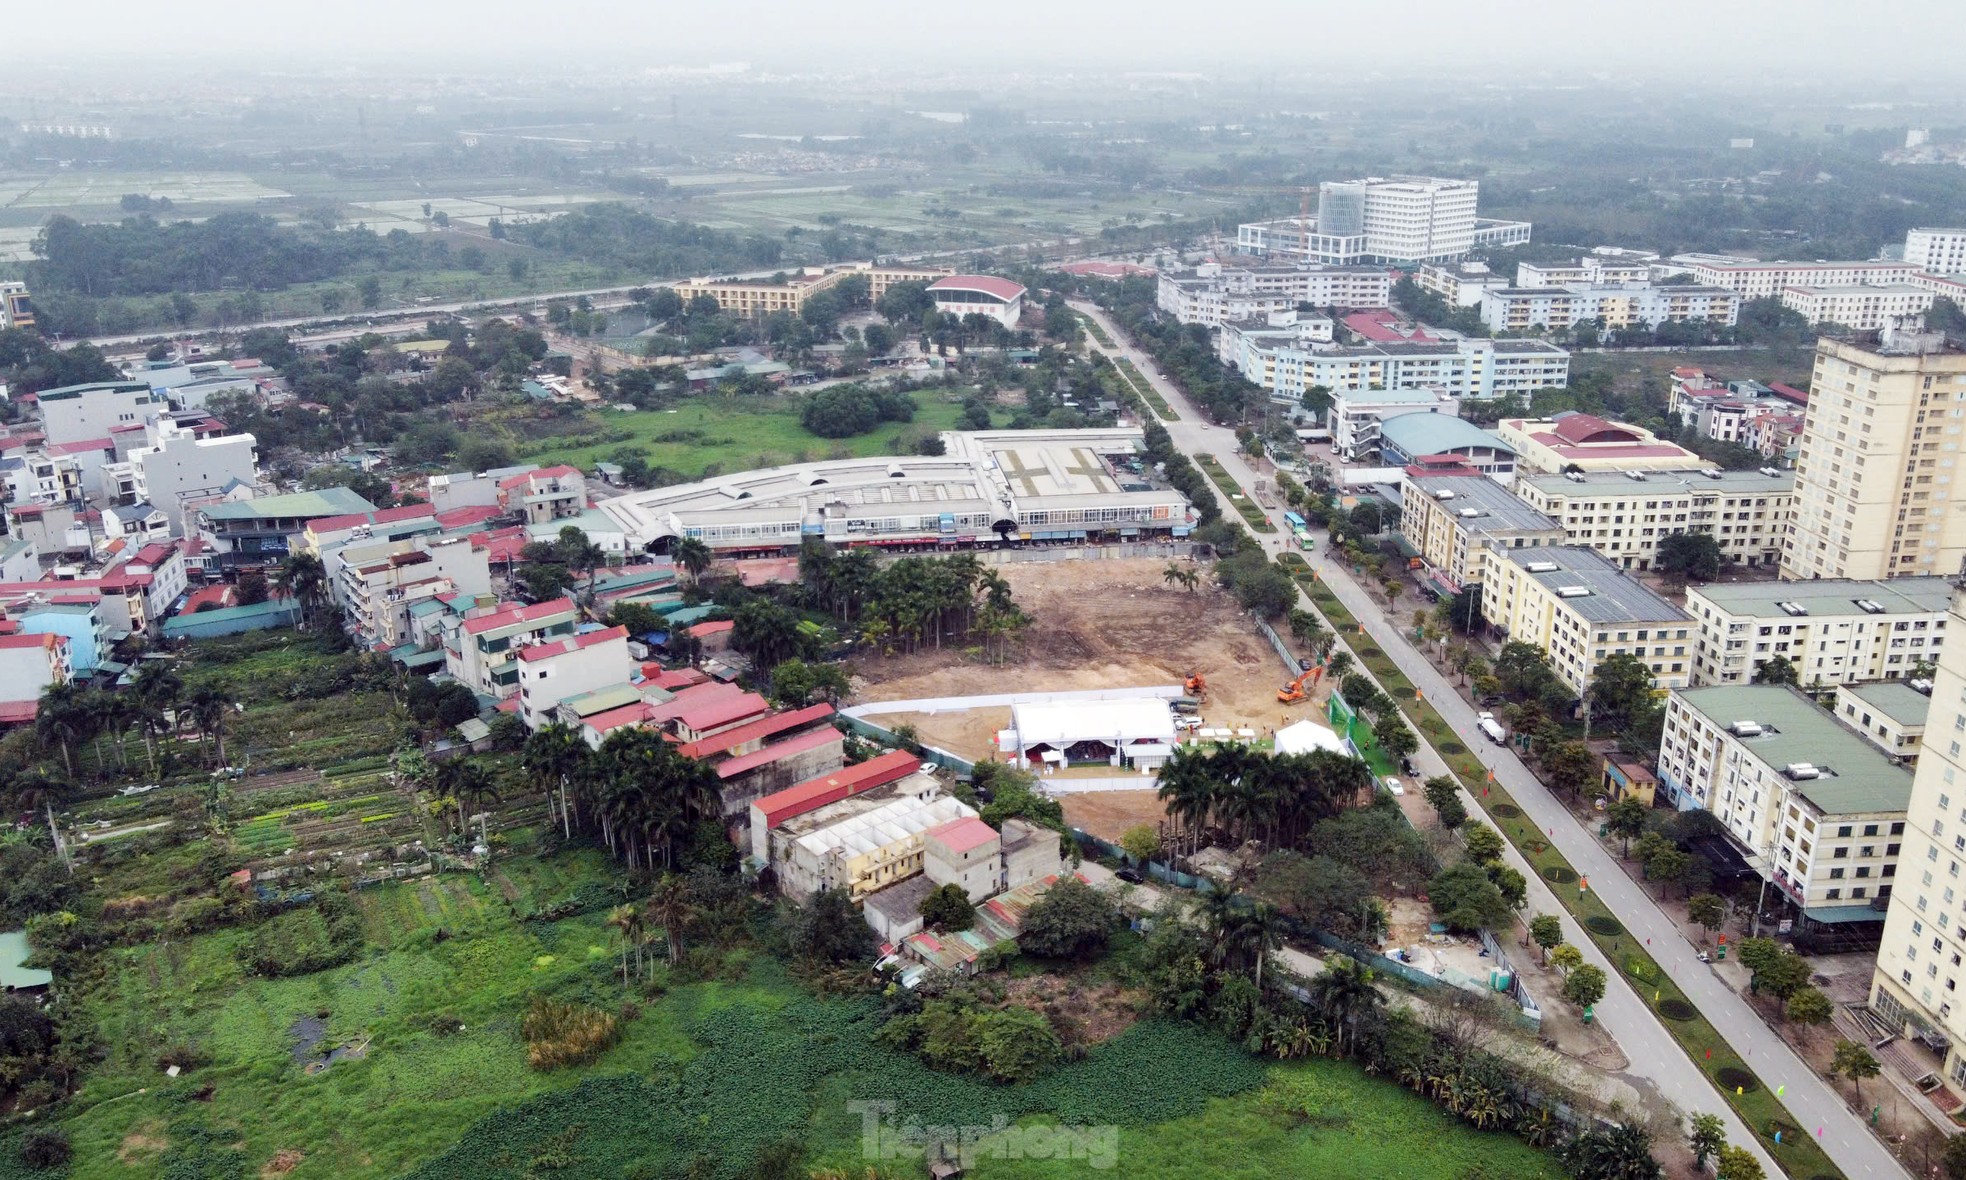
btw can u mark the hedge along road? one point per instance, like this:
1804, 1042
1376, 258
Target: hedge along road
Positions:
1654, 1054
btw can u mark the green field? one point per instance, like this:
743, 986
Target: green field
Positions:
743, 434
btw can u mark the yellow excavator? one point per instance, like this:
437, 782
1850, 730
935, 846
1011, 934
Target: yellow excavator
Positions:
1300, 688
1196, 686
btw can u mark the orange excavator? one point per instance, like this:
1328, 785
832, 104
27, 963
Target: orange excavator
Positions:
1196, 685
1300, 688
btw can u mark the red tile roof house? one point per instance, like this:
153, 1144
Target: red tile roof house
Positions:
774, 809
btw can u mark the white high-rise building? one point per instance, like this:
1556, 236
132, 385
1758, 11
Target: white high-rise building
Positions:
1937, 250
1401, 219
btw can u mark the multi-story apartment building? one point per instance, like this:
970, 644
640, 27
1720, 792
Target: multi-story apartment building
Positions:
482, 653
757, 298
1625, 518
1402, 219
1940, 251
1863, 307
16, 309
1463, 368
1214, 294
30, 665
1835, 630
1765, 280
1459, 283
1874, 496
1889, 713
264, 529
178, 470
1592, 270
1260, 337
43, 477
1820, 811
1923, 953
379, 584
1555, 309
544, 494
1458, 520
1581, 609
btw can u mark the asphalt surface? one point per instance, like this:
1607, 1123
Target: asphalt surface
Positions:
1655, 1057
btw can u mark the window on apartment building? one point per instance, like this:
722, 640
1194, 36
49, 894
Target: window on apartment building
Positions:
1833, 894
1838, 853
1836, 874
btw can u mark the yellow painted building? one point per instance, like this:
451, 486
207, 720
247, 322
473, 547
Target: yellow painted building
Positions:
756, 298
1581, 609
1874, 490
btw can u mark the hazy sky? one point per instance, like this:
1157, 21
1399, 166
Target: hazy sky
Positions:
1886, 39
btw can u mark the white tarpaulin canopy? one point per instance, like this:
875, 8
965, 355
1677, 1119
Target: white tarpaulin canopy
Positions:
1305, 736
1062, 723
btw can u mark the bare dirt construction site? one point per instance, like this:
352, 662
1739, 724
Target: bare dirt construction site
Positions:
1095, 624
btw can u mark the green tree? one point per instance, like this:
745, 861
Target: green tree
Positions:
1615, 1153
1071, 921
1707, 1134
1546, 930
1757, 954
1345, 994
1570, 767
1395, 738
1778, 670
1621, 688
1466, 900
693, 556
1626, 819
1786, 976
1954, 1158
1708, 910
1584, 986
1851, 1060
948, 908
829, 930
1667, 865
1566, 958
1017, 1044
1737, 1163
1444, 796
1809, 1006
1141, 842
1484, 843
1688, 557
672, 908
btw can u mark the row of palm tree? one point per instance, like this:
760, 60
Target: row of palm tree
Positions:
642, 796
913, 602
669, 909
1250, 795
155, 706
304, 579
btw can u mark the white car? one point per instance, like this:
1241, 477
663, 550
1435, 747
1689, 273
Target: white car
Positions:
1393, 785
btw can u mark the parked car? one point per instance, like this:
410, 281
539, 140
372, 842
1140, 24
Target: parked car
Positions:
1393, 784
1130, 877
1492, 728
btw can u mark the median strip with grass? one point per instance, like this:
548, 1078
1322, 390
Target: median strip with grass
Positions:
1098, 333
1797, 1153
1251, 513
1145, 388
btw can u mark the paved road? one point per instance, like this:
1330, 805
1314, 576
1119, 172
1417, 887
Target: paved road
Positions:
1653, 1052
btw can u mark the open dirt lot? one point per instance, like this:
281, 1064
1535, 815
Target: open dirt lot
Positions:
1096, 624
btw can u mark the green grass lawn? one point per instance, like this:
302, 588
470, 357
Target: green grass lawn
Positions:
710, 434
1252, 513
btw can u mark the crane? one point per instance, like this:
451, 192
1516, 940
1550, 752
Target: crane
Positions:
1298, 690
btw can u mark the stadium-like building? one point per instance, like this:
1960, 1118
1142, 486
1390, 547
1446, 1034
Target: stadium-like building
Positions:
989, 487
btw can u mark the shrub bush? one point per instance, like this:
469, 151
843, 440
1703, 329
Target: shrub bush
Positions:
45, 1147
560, 1034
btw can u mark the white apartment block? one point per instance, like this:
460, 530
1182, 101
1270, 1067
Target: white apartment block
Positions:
1214, 294
1553, 308
1766, 280
1465, 368
466, 489
1459, 283
1746, 512
1835, 630
1820, 811
1936, 251
1863, 307
1402, 219
551, 672
482, 653
43, 477
1890, 714
1262, 336
78, 413
1581, 609
1591, 270
177, 470
1874, 496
